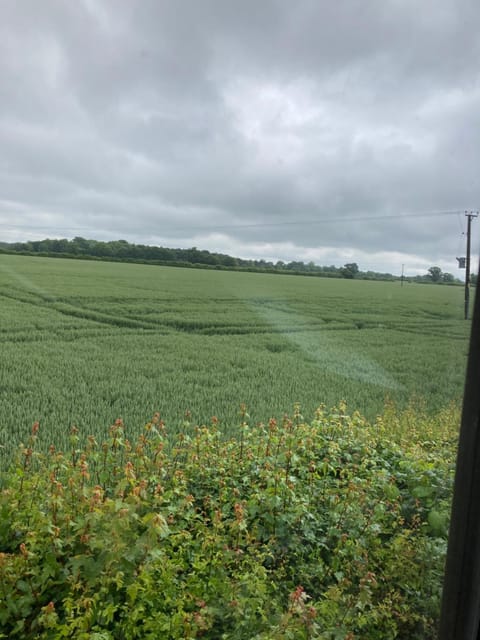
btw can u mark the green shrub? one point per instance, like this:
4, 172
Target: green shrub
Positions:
326, 530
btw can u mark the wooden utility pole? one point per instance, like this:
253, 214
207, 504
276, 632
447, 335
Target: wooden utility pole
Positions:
469, 216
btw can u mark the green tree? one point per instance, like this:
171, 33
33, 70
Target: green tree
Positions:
350, 270
435, 274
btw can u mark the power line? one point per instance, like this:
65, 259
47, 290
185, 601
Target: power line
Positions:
284, 223
328, 220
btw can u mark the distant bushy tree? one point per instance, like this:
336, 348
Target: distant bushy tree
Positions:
435, 274
350, 270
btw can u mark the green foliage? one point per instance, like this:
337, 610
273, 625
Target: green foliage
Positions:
435, 274
128, 252
84, 342
350, 270
329, 530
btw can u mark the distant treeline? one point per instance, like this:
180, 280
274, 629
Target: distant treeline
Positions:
123, 251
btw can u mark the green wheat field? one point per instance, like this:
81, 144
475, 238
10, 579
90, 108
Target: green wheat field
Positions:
83, 343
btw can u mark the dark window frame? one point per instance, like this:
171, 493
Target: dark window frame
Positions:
460, 613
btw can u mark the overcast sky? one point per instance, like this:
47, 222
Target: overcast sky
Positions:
259, 128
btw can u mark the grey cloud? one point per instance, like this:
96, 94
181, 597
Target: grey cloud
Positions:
157, 119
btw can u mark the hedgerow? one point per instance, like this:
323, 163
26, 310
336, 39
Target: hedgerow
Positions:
329, 529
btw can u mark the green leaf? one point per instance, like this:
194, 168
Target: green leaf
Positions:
438, 522
422, 491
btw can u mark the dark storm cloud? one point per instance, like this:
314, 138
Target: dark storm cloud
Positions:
179, 122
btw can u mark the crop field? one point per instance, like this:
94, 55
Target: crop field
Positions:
83, 343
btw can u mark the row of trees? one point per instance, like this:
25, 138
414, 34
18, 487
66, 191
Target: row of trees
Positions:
123, 250
436, 276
